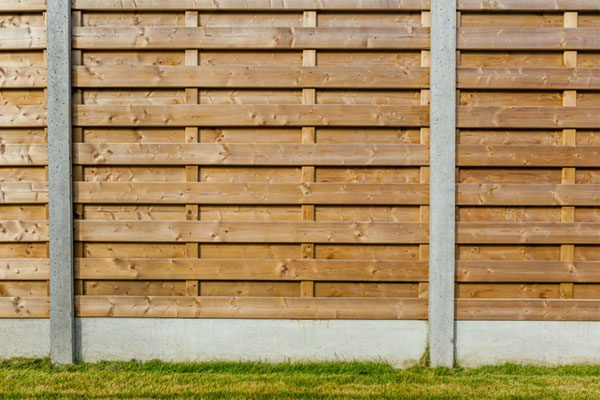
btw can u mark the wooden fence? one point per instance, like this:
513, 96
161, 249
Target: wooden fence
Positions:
269, 159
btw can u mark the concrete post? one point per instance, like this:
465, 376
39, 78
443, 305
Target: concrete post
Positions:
60, 208
442, 182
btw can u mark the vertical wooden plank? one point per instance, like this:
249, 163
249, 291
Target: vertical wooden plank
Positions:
60, 204
309, 59
569, 138
442, 182
192, 136
424, 139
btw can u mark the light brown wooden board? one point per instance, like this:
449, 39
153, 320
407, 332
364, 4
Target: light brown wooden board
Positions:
527, 271
528, 5
536, 310
243, 269
247, 38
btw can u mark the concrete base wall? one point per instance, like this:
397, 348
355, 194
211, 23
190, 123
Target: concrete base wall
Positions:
527, 342
400, 343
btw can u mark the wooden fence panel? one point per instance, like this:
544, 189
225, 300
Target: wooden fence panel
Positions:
528, 232
251, 159
24, 264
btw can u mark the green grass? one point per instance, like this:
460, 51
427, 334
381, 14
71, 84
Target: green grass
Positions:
35, 378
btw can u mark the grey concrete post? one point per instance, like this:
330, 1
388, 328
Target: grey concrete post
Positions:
442, 178
60, 208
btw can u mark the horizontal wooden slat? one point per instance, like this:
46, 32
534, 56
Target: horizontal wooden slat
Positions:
23, 193
31, 38
250, 193
528, 156
249, 269
527, 271
516, 38
22, 77
251, 77
23, 231
250, 307
22, 5
527, 117
528, 5
528, 78
251, 232
528, 195
249, 38
251, 115
532, 310
250, 154
23, 154
24, 269
528, 232
24, 307
252, 5
22, 116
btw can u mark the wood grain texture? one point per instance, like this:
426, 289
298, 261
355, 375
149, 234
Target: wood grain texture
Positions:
528, 232
528, 5
31, 38
22, 5
531, 310
249, 115
531, 117
528, 195
527, 156
248, 193
250, 5
22, 77
250, 154
113, 38
247, 77
250, 307
528, 78
24, 307
23, 192
516, 38
246, 269
249, 232
527, 271
24, 269
23, 231
22, 116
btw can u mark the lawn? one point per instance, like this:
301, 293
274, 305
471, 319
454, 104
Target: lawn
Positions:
25, 378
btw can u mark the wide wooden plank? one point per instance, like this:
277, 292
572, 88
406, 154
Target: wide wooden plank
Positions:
248, 269
528, 194
528, 232
530, 309
22, 5
23, 193
23, 231
23, 154
25, 269
527, 271
248, 77
250, 232
528, 156
527, 117
22, 116
249, 38
528, 5
528, 78
251, 115
22, 77
30, 38
251, 5
250, 154
250, 307
24, 307
516, 38
249, 193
